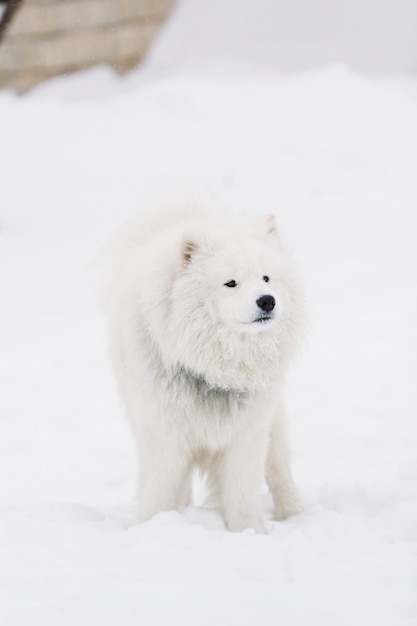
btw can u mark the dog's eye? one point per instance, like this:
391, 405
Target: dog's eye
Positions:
231, 283
265, 278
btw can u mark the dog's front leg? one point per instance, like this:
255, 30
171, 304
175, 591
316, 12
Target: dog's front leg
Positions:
241, 474
278, 472
163, 465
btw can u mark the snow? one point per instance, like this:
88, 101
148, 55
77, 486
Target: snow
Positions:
334, 154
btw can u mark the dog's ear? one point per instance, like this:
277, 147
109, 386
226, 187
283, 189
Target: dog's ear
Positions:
196, 244
271, 228
189, 248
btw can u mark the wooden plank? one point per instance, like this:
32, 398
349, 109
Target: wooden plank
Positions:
52, 37
38, 19
80, 49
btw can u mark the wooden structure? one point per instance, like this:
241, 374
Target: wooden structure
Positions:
40, 39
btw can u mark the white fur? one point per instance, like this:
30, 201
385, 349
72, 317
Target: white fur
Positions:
201, 380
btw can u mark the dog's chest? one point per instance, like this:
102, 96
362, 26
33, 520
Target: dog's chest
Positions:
209, 417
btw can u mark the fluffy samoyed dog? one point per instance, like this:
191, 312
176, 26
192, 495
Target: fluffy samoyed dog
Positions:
204, 315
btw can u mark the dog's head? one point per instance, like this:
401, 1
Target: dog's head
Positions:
235, 304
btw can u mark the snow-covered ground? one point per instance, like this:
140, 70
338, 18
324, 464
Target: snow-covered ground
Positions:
334, 154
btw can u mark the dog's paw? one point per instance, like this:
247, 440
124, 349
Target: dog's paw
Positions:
288, 508
238, 524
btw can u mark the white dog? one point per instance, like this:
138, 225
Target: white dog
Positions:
204, 314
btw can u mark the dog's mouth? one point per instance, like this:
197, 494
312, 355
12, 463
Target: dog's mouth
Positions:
262, 319
259, 321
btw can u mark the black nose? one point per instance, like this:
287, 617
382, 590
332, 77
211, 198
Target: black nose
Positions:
266, 303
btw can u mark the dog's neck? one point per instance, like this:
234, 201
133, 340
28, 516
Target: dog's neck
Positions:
202, 386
